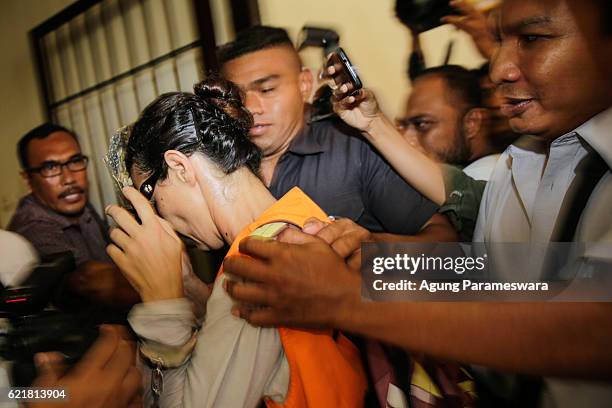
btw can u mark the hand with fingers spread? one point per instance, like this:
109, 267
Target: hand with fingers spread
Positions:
105, 377
149, 254
476, 24
300, 282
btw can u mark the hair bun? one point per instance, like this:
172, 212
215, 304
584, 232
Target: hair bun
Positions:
215, 87
226, 96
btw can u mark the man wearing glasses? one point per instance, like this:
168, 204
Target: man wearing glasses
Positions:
56, 216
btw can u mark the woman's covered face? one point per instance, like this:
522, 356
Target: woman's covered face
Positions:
184, 206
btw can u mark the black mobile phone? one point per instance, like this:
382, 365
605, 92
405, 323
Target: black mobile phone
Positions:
345, 71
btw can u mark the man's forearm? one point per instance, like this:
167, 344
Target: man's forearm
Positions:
105, 283
557, 339
437, 229
424, 174
553, 339
124, 294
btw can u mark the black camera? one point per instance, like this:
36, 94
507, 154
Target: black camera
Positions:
422, 15
36, 324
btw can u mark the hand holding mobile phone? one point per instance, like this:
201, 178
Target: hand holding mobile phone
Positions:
343, 72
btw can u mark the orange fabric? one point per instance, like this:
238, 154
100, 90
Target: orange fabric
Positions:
324, 372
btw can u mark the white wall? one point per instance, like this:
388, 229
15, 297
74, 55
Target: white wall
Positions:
377, 43
21, 107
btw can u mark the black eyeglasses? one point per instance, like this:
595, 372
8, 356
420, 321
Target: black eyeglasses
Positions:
55, 168
147, 188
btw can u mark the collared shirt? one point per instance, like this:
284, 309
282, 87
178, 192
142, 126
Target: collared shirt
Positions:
522, 202
340, 171
51, 232
482, 168
523, 198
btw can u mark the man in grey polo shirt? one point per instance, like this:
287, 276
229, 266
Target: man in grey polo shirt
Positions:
327, 159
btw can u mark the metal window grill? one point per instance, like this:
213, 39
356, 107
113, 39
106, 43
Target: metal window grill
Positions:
100, 62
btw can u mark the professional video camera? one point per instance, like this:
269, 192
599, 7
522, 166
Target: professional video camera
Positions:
36, 324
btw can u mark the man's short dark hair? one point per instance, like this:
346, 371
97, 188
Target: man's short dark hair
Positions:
465, 84
41, 132
253, 39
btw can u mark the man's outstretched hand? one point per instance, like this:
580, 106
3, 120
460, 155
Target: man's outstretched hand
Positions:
298, 280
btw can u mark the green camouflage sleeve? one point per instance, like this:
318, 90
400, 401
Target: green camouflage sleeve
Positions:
463, 195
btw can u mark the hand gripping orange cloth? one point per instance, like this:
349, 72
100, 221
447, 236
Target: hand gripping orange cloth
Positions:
324, 371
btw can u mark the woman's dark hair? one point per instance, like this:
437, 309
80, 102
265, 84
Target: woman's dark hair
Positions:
212, 121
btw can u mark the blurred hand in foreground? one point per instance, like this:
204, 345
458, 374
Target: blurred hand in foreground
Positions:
106, 376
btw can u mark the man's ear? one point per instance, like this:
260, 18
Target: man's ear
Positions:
26, 178
180, 165
474, 121
306, 81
